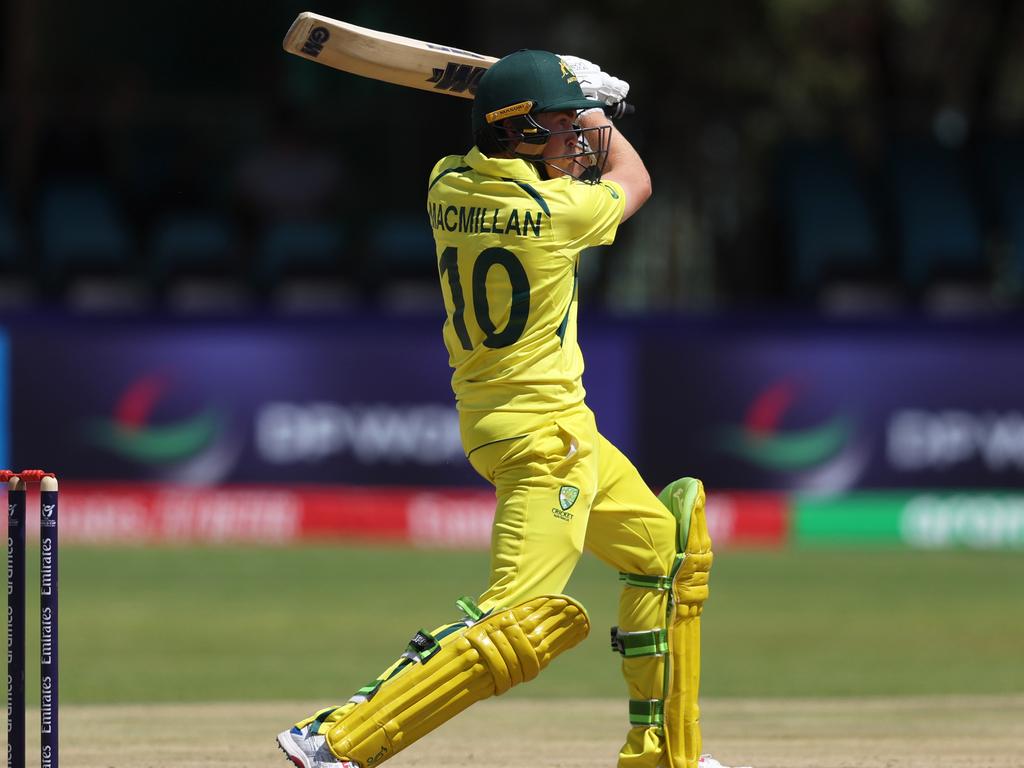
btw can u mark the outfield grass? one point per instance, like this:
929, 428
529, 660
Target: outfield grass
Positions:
246, 624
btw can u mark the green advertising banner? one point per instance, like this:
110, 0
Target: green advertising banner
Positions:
906, 519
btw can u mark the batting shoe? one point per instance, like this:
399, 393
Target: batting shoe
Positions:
309, 750
707, 761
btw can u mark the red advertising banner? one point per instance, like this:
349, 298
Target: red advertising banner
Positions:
136, 513
748, 519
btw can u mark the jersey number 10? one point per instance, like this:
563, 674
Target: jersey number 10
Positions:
520, 309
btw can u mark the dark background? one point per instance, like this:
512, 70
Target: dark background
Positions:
851, 156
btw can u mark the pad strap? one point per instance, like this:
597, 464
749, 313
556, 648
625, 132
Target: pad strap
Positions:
659, 583
647, 713
470, 610
422, 647
650, 642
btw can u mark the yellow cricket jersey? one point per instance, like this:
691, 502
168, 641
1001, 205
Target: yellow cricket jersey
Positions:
508, 246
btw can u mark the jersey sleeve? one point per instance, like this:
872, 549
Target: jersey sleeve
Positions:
593, 213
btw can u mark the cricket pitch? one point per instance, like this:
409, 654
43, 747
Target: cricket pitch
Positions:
918, 732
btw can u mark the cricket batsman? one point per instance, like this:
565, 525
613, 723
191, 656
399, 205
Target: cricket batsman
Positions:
549, 176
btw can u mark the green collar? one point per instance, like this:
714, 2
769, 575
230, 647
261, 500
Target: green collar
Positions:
500, 167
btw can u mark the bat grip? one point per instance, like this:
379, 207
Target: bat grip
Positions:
620, 109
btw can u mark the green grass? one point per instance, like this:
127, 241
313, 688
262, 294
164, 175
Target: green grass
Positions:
241, 624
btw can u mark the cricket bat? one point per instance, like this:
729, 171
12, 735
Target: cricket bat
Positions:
390, 58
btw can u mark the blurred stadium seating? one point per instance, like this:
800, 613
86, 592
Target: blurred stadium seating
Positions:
86, 247
841, 164
400, 261
16, 288
299, 266
929, 226
194, 263
10, 245
938, 229
832, 234
1004, 177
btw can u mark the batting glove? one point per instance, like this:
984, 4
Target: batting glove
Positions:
595, 83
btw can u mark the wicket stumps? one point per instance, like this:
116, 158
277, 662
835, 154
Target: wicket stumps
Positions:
17, 498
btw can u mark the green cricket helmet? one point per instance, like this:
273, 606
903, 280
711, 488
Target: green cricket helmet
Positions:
519, 86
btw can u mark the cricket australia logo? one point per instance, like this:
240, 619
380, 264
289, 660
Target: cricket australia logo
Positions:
567, 496
567, 74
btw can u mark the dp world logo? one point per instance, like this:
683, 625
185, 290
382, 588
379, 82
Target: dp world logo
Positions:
196, 448
826, 455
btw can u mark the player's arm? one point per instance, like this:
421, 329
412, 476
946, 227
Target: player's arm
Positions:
624, 166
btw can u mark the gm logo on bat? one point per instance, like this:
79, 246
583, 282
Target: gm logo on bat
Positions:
315, 41
456, 78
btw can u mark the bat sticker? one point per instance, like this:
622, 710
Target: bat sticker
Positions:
315, 42
456, 77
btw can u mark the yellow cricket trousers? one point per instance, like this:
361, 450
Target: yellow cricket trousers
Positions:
563, 488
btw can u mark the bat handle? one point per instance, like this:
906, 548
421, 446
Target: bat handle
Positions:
620, 109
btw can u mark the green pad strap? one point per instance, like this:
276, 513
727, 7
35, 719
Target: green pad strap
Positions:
651, 642
646, 712
660, 583
321, 717
675, 566
469, 608
422, 647
368, 691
